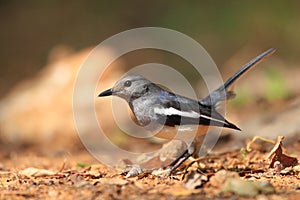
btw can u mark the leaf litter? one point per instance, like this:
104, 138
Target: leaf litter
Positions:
248, 174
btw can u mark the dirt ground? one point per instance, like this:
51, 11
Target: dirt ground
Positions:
28, 173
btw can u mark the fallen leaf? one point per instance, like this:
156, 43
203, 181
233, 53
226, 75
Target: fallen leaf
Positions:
35, 172
276, 155
246, 188
161, 172
221, 176
297, 168
194, 180
75, 178
78, 180
134, 171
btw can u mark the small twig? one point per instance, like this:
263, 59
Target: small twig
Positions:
63, 165
249, 144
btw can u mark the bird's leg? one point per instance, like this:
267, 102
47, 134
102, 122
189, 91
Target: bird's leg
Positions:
177, 164
180, 159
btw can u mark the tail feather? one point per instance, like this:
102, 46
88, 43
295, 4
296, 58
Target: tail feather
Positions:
222, 93
247, 66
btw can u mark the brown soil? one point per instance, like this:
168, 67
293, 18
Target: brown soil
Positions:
33, 174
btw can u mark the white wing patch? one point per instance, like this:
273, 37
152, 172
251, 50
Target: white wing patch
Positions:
192, 114
172, 111
213, 119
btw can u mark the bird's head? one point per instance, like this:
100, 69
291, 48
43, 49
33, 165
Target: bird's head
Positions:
128, 87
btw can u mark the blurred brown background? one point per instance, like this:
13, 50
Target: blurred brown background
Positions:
36, 37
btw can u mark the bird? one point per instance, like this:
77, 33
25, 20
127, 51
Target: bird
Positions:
171, 115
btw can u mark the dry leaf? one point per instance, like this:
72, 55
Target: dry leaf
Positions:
134, 171
297, 168
194, 180
75, 178
221, 176
278, 156
246, 188
35, 172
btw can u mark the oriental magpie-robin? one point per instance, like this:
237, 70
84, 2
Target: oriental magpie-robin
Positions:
172, 115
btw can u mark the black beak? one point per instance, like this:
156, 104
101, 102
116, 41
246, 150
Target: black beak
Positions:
106, 93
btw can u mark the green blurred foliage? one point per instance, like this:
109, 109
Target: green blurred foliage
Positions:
30, 29
242, 98
276, 88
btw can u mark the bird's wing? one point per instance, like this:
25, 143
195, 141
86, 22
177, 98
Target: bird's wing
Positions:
174, 110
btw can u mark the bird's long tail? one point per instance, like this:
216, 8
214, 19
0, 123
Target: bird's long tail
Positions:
223, 93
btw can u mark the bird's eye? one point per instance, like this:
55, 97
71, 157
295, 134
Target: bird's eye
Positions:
127, 84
